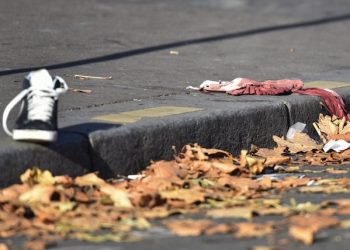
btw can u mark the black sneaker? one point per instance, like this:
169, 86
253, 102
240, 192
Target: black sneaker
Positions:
37, 120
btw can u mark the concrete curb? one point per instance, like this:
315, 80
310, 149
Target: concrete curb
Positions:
69, 155
226, 122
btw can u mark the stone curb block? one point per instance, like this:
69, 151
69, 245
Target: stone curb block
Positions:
70, 155
128, 149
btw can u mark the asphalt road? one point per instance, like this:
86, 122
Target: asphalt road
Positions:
131, 40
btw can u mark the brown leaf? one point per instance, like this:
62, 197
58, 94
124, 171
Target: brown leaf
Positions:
13, 192
89, 180
344, 211
226, 168
63, 180
149, 200
314, 222
84, 223
265, 183
188, 227
166, 170
274, 211
301, 142
345, 137
276, 160
291, 182
221, 228
35, 245
189, 196
238, 183
265, 152
338, 202
160, 184
303, 234
3, 246
235, 212
249, 229
336, 171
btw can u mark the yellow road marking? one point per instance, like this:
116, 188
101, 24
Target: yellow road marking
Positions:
136, 115
326, 84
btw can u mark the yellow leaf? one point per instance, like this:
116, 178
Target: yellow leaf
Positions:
37, 194
345, 224
119, 197
89, 180
37, 176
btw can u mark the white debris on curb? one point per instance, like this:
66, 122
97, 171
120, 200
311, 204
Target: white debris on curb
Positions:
312, 183
135, 176
336, 145
277, 177
297, 127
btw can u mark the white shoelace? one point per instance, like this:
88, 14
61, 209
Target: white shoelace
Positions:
40, 103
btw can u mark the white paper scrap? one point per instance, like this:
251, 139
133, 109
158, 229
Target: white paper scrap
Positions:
297, 127
336, 145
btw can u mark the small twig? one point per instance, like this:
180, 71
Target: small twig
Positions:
84, 77
85, 91
319, 132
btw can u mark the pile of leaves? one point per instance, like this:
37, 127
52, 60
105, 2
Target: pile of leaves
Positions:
332, 127
209, 182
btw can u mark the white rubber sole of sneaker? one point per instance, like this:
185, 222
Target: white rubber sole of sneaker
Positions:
34, 135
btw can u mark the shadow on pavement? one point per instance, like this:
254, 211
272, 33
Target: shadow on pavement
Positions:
84, 129
129, 53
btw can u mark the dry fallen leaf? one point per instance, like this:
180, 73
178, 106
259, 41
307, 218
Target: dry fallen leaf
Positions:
235, 212
304, 234
119, 197
188, 227
335, 128
336, 171
189, 196
38, 194
3, 246
221, 228
314, 222
37, 176
249, 229
89, 180
301, 142
198, 181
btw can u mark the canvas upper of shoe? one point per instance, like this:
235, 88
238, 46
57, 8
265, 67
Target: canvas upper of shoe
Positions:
38, 98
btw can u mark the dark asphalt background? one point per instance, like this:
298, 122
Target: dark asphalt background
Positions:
131, 40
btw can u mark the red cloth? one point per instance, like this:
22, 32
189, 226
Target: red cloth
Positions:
251, 87
333, 101
245, 86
